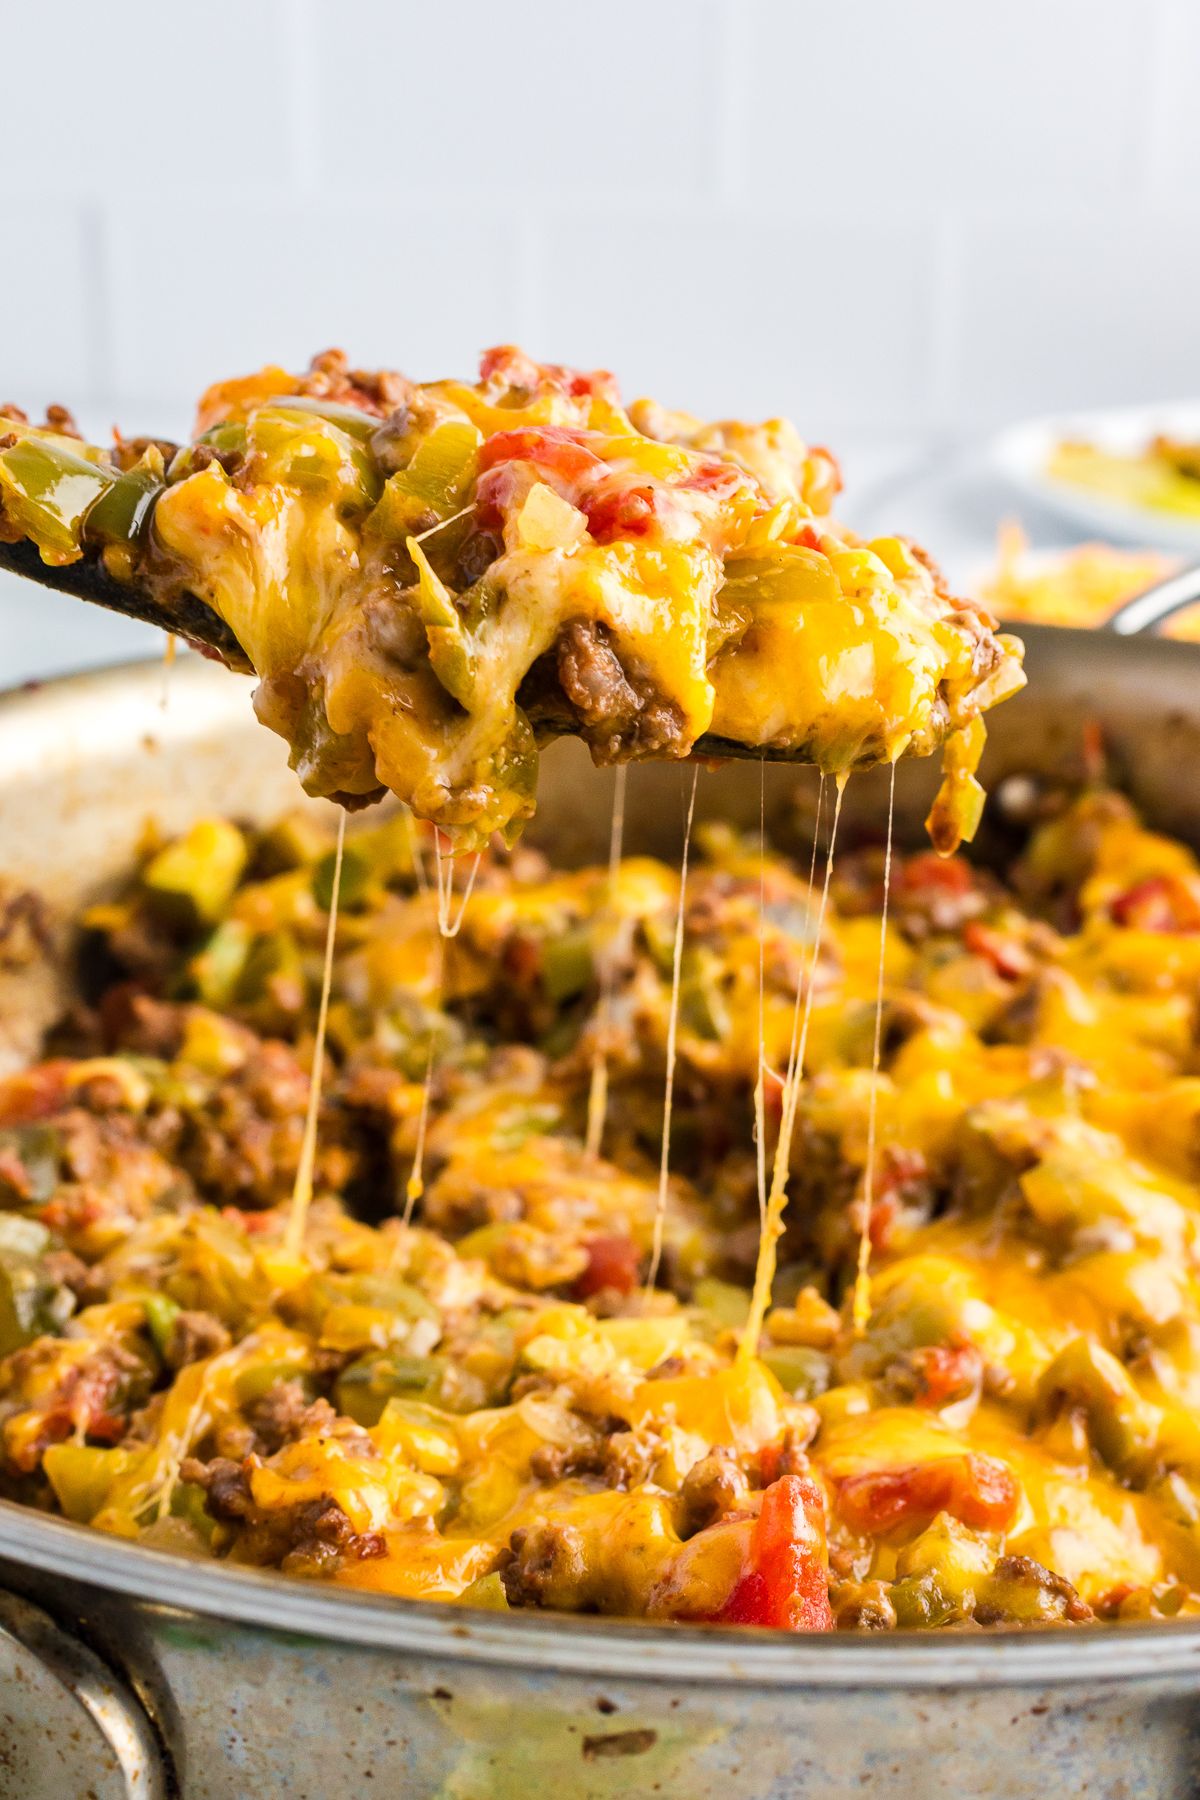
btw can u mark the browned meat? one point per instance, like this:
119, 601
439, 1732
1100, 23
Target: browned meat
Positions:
194, 1336
862, 1606
548, 1567
70, 1271
1022, 1571
243, 1147
379, 391
712, 1487
225, 1484
285, 1413
592, 677
309, 1539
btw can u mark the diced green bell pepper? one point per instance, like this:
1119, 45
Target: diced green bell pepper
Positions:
192, 880
46, 491
82, 1476
567, 963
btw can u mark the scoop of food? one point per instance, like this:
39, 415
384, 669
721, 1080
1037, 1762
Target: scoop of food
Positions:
432, 580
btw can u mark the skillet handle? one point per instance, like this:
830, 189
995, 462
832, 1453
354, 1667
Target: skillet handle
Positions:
1158, 603
68, 1725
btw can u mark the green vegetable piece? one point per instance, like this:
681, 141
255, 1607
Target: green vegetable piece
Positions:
364, 1389
230, 434
192, 881
46, 492
355, 890
804, 1372
30, 1304
567, 964
920, 1603
351, 419
21, 1240
487, 1592
82, 1476
253, 1383
274, 955
659, 935
32, 1164
218, 968
161, 1313
702, 1007
1122, 1426
122, 512
291, 843
437, 480
188, 1504
315, 452
726, 1305
450, 653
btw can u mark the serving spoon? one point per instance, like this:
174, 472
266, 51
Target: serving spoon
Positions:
189, 617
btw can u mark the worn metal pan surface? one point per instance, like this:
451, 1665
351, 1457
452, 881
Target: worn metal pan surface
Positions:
127, 1672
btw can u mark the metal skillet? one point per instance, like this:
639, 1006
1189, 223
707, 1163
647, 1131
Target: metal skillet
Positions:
127, 1672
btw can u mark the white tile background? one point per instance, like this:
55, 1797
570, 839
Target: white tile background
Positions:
882, 217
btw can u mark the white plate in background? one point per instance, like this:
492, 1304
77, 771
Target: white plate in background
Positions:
1022, 454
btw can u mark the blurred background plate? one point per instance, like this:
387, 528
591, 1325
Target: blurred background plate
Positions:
1021, 456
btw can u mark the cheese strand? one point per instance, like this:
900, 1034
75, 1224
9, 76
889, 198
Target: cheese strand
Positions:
772, 1231
293, 1241
660, 1208
862, 1278
760, 1082
598, 1090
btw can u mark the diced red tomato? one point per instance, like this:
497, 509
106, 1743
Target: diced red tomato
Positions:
621, 511
1092, 747
81, 1406
253, 1223
1009, 958
1160, 903
946, 1372
978, 1490
612, 1263
881, 1225
925, 871
512, 367
522, 960
720, 479
34, 1093
556, 448
786, 1585
1108, 1604
899, 1180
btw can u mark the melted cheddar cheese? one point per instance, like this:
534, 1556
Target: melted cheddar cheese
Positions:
1082, 586
431, 580
486, 1405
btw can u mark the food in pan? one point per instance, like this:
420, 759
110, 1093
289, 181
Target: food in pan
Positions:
1083, 586
431, 580
485, 1404
1163, 476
